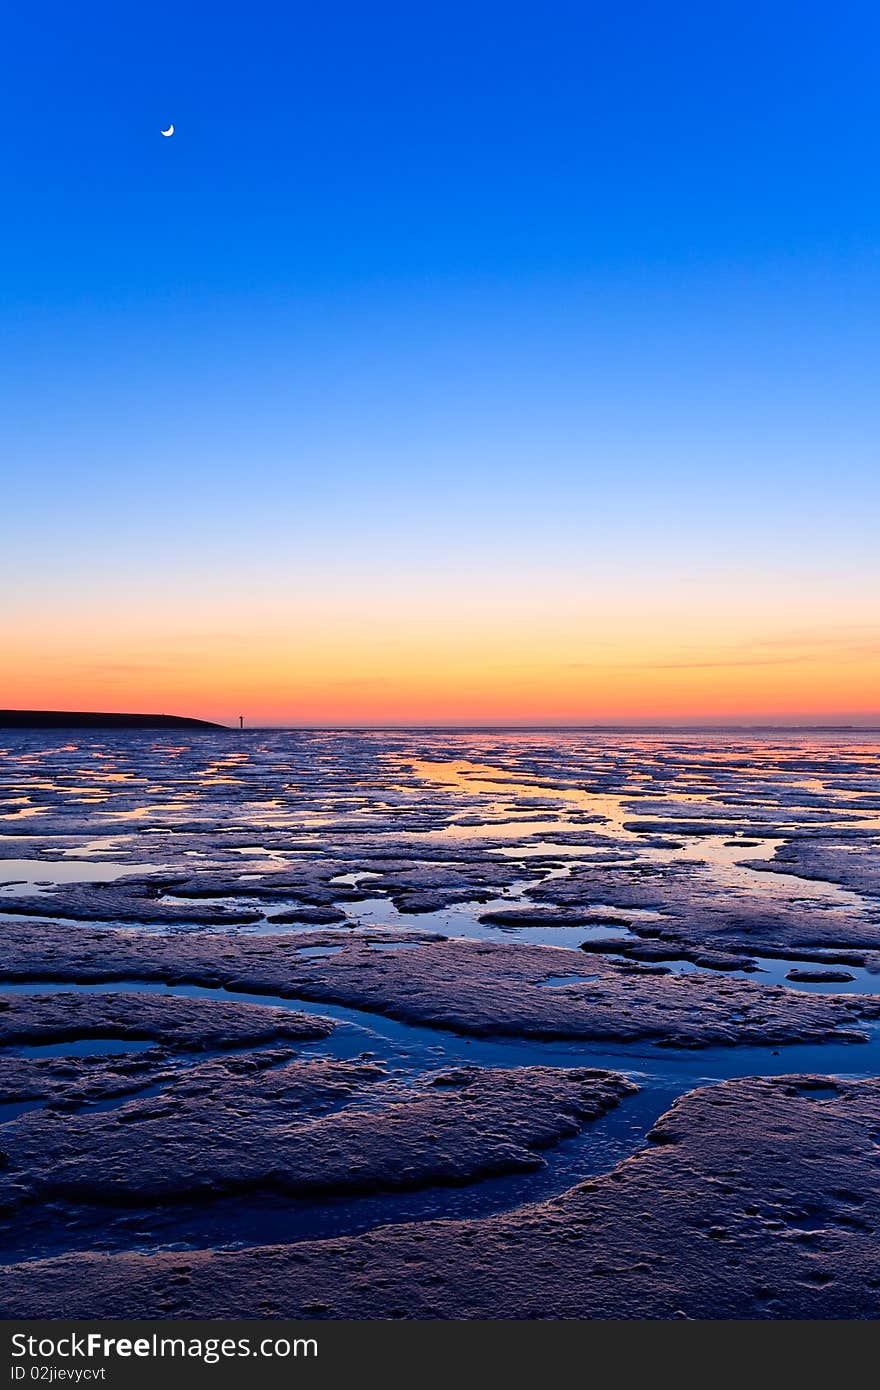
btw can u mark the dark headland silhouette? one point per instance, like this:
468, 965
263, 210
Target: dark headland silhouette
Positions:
80, 719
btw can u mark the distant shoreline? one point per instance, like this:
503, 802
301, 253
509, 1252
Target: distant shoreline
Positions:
83, 719
86, 719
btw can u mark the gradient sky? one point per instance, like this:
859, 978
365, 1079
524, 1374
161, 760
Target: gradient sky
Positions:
451, 363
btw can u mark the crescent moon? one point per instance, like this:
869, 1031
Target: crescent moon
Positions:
169, 131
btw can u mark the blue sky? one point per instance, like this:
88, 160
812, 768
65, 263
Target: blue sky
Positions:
547, 299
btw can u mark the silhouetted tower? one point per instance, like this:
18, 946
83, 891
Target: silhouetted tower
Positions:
241, 721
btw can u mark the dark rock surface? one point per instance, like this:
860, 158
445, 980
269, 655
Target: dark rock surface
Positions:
68, 1083
418, 885
855, 866
818, 976
473, 987
550, 917
303, 1128
163, 899
132, 900
754, 1199
194, 1024
695, 910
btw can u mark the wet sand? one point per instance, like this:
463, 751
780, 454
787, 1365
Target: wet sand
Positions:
650, 916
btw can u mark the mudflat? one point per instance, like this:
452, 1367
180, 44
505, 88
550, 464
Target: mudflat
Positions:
423, 1024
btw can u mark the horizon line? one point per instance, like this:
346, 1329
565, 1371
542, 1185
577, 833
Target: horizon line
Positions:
566, 728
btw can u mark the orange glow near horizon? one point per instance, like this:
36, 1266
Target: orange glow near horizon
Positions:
499, 666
